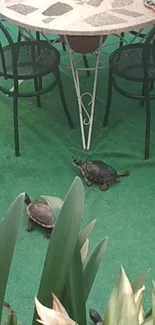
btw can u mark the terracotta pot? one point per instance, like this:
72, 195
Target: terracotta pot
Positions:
83, 44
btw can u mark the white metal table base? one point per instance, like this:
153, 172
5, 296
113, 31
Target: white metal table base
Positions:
86, 114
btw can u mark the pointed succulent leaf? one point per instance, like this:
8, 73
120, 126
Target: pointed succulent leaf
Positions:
153, 302
62, 245
85, 233
139, 282
92, 265
138, 300
9, 228
57, 306
76, 289
50, 316
121, 306
84, 251
41, 322
54, 202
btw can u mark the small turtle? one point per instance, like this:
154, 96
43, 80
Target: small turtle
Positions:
99, 172
40, 213
96, 317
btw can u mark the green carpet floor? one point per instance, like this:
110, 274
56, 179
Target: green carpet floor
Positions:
125, 213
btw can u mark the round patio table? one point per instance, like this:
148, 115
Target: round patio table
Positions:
87, 18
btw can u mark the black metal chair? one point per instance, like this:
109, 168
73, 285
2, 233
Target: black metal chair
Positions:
58, 40
138, 35
134, 62
29, 60
134, 33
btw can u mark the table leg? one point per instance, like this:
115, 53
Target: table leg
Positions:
89, 112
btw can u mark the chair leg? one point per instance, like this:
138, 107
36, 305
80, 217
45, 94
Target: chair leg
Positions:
40, 79
19, 37
59, 82
109, 97
15, 118
86, 64
142, 100
151, 88
37, 88
121, 40
148, 119
38, 36
63, 46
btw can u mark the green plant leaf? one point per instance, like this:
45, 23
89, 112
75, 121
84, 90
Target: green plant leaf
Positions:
9, 228
121, 307
84, 251
83, 238
138, 297
153, 302
140, 280
76, 289
92, 265
62, 245
55, 204
85, 233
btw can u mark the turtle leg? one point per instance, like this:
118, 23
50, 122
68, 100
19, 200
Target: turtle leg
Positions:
30, 226
47, 234
104, 187
118, 180
87, 181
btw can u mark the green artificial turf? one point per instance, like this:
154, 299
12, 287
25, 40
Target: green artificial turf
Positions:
125, 213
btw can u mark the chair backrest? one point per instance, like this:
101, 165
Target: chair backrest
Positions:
6, 41
149, 51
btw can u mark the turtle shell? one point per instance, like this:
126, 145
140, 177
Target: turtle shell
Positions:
99, 172
40, 212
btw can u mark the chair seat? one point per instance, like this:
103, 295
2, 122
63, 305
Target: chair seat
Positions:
33, 59
127, 62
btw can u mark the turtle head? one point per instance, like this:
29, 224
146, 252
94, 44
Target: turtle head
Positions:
76, 162
27, 199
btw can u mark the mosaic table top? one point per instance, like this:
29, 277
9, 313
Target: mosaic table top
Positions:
78, 17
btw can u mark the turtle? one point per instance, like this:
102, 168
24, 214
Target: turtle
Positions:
97, 171
95, 317
40, 213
